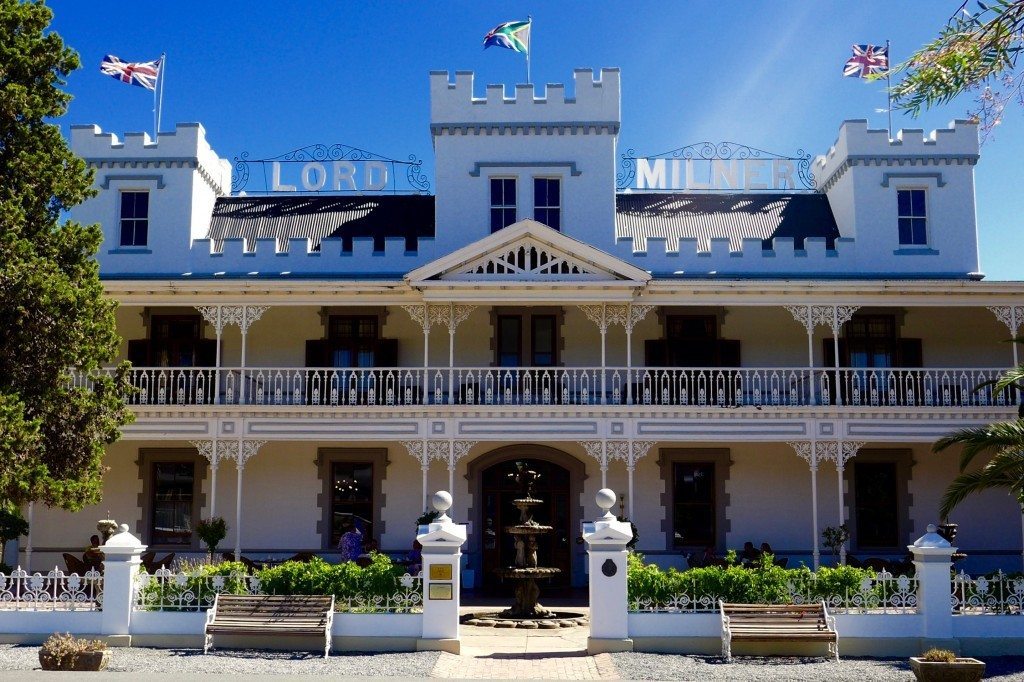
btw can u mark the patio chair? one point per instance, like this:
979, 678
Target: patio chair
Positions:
75, 565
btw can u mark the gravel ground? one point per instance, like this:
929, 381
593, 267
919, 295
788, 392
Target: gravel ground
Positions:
673, 667
242, 661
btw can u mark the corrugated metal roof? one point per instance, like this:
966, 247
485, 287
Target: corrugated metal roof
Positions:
409, 216
700, 216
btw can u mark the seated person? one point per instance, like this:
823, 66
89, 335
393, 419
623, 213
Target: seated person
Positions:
351, 542
766, 549
749, 554
93, 556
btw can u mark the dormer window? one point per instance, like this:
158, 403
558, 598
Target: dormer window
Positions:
503, 202
547, 202
134, 218
912, 217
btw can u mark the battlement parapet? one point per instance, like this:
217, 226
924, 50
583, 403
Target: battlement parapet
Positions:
595, 100
859, 145
186, 147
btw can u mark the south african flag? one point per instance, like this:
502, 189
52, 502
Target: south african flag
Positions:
514, 35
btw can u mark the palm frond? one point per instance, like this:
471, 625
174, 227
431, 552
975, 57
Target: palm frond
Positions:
967, 484
999, 436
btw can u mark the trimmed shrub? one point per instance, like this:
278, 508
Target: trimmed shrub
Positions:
347, 581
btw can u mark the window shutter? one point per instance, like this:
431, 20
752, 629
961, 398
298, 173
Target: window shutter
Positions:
206, 353
728, 353
908, 353
316, 353
655, 352
138, 352
387, 353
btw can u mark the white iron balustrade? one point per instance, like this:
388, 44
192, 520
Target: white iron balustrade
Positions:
191, 590
524, 386
884, 593
53, 591
997, 594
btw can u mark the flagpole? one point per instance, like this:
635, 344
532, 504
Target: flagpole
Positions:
529, 49
160, 83
888, 83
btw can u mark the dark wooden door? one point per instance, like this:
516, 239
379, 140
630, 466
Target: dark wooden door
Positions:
553, 549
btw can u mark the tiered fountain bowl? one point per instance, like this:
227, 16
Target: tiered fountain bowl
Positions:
527, 612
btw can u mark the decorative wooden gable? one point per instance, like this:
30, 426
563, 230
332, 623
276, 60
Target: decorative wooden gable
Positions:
528, 251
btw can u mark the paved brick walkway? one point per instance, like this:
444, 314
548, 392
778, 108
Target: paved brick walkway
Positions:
568, 665
525, 654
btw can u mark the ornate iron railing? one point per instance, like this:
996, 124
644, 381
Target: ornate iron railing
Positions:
524, 386
882, 593
985, 595
192, 590
53, 591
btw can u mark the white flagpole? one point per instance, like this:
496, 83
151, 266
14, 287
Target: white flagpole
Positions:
160, 84
888, 82
529, 49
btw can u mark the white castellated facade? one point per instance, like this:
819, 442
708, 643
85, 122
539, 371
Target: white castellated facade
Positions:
740, 365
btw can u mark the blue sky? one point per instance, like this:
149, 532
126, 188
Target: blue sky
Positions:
268, 77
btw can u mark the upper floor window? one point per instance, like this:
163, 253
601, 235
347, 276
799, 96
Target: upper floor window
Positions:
175, 340
547, 202
353, 340
134, 218
527, 340
871, 341
503, 202
912, 217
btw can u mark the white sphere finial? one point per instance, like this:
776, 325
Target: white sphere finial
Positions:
606, 499
123, 528
442, 502
931, 528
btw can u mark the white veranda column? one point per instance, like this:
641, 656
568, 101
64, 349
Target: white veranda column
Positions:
598, 314
597, 449
455, 314
214, 315
629, 451
802, 314
1013, 317
420, 314
246, 449
628, 316
244, 316
418, 450
841, 452
808, 451
208, 449
840, 315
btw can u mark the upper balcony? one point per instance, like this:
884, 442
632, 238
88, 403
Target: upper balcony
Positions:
674, 387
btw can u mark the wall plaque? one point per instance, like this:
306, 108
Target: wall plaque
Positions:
439, 591
440, 571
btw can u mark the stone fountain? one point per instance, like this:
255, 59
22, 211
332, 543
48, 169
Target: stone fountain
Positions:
526, 571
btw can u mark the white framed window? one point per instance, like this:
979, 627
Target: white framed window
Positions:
912, 215
503, 203
547, 202
134, 218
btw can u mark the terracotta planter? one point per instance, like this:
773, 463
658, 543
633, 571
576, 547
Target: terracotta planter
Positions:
85, 661
960, 670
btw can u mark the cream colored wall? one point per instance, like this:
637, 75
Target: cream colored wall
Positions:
129, 326
959, 337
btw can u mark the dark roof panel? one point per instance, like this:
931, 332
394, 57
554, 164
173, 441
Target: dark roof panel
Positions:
407, 216
675, 216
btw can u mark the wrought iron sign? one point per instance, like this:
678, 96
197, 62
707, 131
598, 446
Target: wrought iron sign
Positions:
330, 168
721, 166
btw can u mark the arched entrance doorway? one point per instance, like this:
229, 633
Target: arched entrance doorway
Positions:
559, 486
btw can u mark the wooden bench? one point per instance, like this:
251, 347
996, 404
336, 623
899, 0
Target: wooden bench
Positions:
276, 615
777, 623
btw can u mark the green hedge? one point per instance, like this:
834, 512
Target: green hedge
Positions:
764, 583
356, 588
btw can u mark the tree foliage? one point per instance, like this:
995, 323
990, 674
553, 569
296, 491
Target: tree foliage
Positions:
53, 315
974, 52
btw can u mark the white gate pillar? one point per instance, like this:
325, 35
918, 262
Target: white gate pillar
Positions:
442, 553
121, 562
932, 562
606, 540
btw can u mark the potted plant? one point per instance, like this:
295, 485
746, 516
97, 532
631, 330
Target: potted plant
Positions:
942, 665
64, 652
834, 538
211, 531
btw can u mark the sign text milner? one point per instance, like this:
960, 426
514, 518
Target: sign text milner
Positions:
742, 175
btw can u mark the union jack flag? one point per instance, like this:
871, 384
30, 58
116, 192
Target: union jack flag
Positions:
866, 60
143, 74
